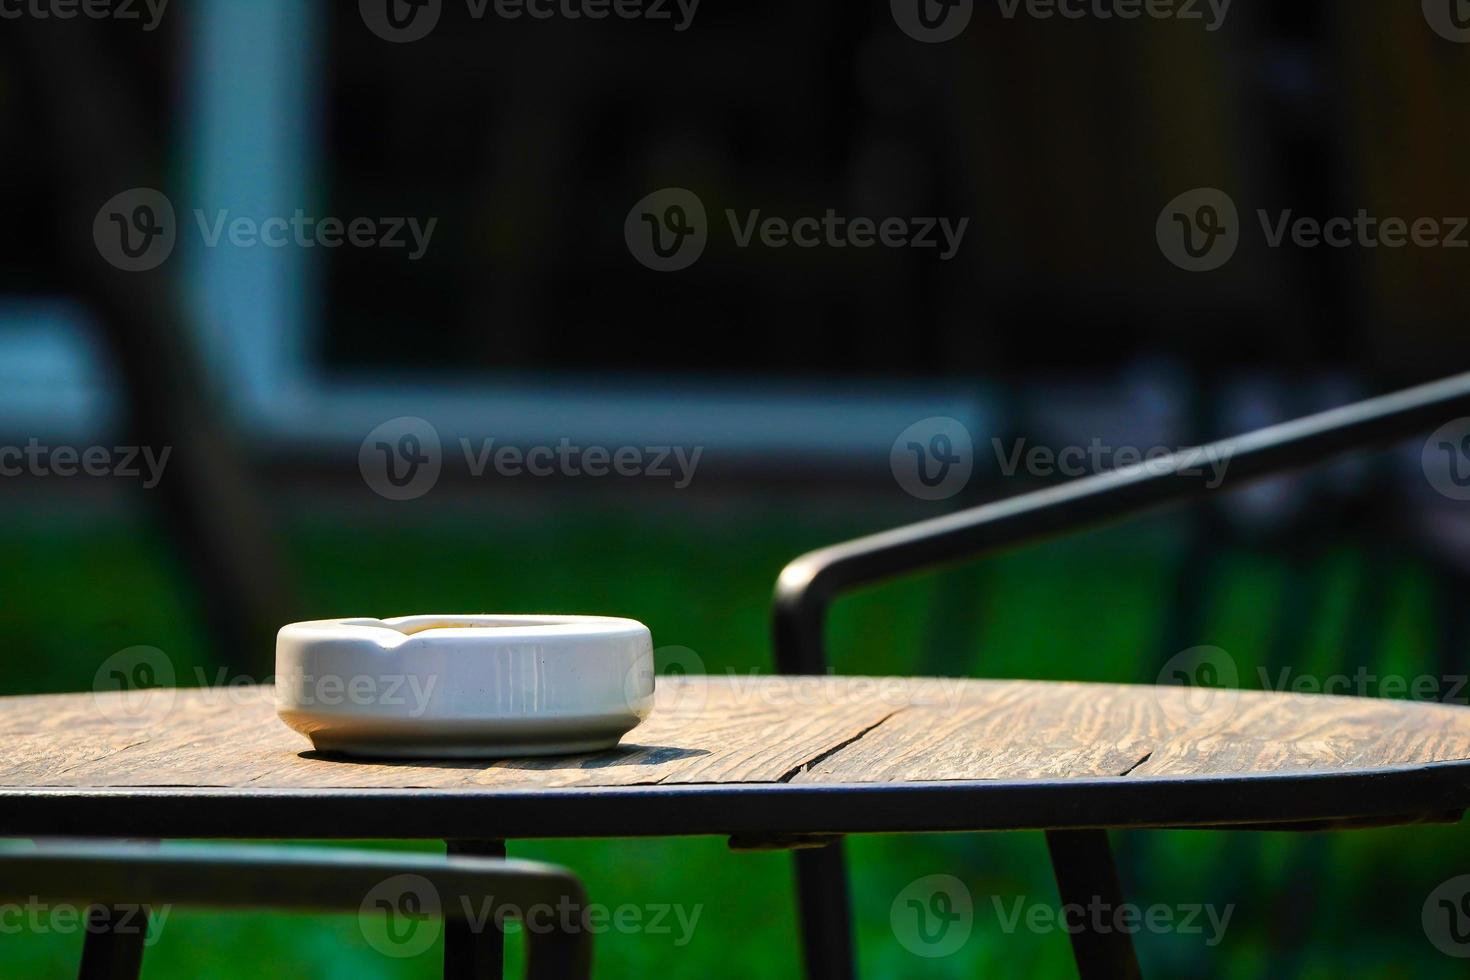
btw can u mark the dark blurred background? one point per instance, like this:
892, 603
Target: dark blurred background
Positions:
1060, 320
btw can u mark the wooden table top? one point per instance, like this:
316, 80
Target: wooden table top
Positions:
743, 755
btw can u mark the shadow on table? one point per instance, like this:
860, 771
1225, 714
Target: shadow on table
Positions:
623, 755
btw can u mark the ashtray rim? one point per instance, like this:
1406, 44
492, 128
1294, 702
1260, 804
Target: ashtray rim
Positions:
396, 631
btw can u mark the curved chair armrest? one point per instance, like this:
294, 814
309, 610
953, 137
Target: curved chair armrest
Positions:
807, 585
306, 880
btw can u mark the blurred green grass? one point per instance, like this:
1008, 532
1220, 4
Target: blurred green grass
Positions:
1092, 607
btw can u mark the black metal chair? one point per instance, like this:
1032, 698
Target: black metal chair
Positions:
1082, 860
116, 882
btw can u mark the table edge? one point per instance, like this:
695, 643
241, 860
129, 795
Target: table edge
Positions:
1401, 794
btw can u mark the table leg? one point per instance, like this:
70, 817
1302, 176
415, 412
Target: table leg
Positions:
1088, 881
826, 926
113, 947
468, 954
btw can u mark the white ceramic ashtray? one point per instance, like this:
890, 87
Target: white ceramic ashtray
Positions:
464, 686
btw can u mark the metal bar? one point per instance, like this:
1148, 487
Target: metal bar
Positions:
808, 584
218, 876
558, 955
824, 914
302, 880
113, 947
471, 954
1401, 794
1092, 895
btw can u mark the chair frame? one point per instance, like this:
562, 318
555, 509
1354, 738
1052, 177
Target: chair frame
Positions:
116, 881
1082, 859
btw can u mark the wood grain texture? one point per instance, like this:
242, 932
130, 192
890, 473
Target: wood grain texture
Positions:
1016, 730
755, 730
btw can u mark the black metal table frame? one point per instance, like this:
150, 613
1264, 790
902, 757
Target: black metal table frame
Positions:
1369, 797
1082, 861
